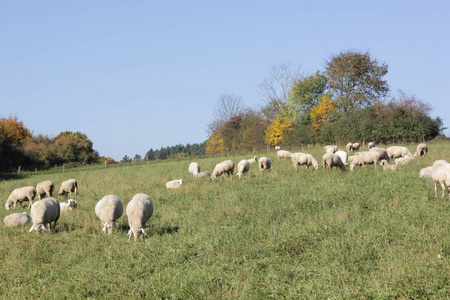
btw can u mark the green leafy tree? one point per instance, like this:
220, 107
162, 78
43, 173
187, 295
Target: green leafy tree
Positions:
307, 92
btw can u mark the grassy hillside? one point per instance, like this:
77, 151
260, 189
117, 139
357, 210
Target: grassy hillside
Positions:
310, 233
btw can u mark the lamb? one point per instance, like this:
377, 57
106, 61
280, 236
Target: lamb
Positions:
387, 166
331, 160
26, 193
194, 168
307, 159
67, 205
343, 155
264, 163
422, 149
139, 210
202, 174
17, 219
68, 187
43, 213
382, 151
365, 158
398, 151
45, 188
108, 210
330, 148
227, 166
403, 160
252, 160
370, 145
426, 172
349, 146
440, 172
355, 146
174, 184
243, 168
282, 154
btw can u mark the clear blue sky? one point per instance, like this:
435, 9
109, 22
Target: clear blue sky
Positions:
135, 75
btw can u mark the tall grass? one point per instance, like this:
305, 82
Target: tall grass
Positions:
281, 233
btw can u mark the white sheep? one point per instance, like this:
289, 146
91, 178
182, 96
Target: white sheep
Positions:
108, 210
343, 155
307, 159
264, 163
68, 205
226, 166
282, 154
387, 166
45, 188
330, 148
349, 146
68, 187
382, 151
370, 145
440, 173
17, 219
398, 151
426, 172
252, 160
26, 193
330, 160
243, 168
355, 146
365, 158
194, 168
202, 174
422, 149
43, 213
174, 184
403, 160
139, 210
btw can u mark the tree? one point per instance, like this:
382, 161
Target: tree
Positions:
126, 159
356, 79
307, 92
320, 111
227, 106
74, 147
13, 130
276, 130
214, 144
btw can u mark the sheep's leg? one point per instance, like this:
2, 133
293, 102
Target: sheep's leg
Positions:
435, 189
443, 189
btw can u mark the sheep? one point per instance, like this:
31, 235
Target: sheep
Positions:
403, 160
370, 145
194, 168
68, 187
174, 184
355, 146
253, 160
387, 166
307, 159
343, 155
282, 154
139, 210
330, 148
202, 174
45, 188
67, 205
108, 210
349, 146
243, 167
440, 172
227, 166
426, 172
26, 193
331, 160
365, 158
17, 219
398, 151
264, 163
43, 213
422, 149
382, 151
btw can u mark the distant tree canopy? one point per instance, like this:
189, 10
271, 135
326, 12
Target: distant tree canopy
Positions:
176, 151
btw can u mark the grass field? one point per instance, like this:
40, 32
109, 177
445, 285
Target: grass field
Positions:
281, 233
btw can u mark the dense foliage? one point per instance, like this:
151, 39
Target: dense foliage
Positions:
175, 151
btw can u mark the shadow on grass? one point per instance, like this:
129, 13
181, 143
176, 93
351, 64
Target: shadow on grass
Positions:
11, 176
159, 230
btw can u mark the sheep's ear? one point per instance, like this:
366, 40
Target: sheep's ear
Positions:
143, 232
43, 227
31, 229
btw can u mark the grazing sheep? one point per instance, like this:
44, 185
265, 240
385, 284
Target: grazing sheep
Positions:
174, 184
355, 146
349, 146
17, 219
26, 193
398, 151
403, 160
382, 151
426, 172
370, 145
365, 158
202, 174
253, 160
243, 167
440, 173
43, 213
108, 210
422, 149
226, 166
330, 160
264, 163
387, 166
68, 187
194, 169
307, 159
330, 148
343, 155
139, 210
282, 154
67, 205
45, 188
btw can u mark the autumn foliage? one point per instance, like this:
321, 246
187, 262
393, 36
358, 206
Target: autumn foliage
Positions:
319, 112
275, 131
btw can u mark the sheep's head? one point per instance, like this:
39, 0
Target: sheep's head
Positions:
7, 205
72, 203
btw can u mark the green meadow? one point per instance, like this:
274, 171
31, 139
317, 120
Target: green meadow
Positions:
282, 233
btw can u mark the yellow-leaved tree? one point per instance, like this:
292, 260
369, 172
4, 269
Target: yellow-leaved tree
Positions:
275, 131
319, 112
214, 144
